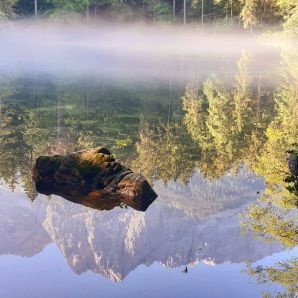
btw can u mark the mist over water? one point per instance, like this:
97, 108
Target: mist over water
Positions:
136, 52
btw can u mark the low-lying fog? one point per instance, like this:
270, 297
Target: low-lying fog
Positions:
130, 51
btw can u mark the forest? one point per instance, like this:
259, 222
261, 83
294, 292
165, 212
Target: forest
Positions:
247, 14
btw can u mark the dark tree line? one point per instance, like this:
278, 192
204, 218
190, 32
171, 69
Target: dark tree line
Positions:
247, 13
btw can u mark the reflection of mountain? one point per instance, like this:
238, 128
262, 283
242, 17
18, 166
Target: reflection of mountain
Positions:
116, 242
202, 197
113, 243
20, 230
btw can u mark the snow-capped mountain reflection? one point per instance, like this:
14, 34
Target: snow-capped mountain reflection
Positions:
199, 221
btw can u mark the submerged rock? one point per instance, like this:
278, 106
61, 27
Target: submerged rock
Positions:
93, 178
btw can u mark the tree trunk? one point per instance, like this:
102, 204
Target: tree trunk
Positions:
170, 102
259, 93
184, 12
174, 9
262, 15
231, 8
87, 97
35, 7
87, 14
58, 121
202, 12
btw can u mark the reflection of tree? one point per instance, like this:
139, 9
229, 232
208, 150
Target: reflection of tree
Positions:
53, 118
88, 116
165, 152
270, 222
241, 95
227, 123
283, 130
274, 216
235, 125
281, 134
284, 273
6, 89
16, 153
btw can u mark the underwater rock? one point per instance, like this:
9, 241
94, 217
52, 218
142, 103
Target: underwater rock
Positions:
93, 178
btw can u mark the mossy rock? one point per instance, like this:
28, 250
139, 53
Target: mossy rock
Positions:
93, 178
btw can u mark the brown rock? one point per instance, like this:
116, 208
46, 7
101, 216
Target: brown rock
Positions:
93, 178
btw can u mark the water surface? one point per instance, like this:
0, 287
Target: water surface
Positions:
210, 133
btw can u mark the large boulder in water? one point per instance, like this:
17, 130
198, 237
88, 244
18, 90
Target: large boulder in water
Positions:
93, 178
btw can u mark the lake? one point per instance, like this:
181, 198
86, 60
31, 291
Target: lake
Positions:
208, 125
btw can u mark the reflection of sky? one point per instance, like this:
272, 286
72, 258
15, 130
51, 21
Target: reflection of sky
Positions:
48, 275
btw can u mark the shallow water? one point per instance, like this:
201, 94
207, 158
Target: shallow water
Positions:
209, 131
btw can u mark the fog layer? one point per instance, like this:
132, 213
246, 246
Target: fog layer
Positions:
130, 50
